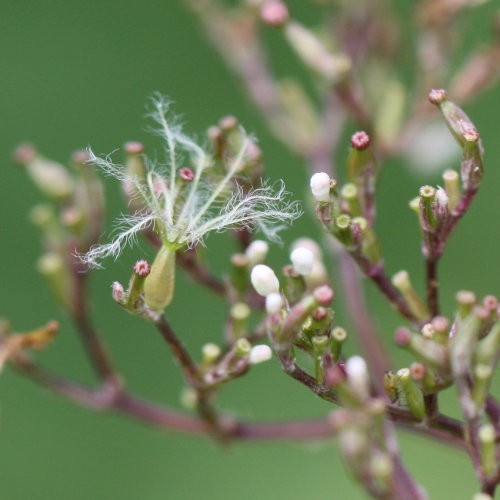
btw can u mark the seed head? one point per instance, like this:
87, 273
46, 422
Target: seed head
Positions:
183, 213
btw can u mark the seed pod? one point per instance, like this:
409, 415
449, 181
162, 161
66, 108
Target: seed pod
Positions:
160, 283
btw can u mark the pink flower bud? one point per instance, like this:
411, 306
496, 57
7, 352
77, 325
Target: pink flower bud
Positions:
324, 295
142, 268
118, 293
437, 96
274, 13
360, 140
133, 148
186, 174
402, 336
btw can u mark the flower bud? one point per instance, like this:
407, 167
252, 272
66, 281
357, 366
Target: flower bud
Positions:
452, 184
465, 300
344, 231
50, 177
314, 54
302, 260
52, 266
391, 385
481, 381
427, 202
360, 141
442, 203
324, 295
401, 280
274, 13
274, 303
349, 193
357, 377
210, 352
189, 398
462, 345
264, 280
413, 396
136, 170
239, 272
487, 438
482, 496
437, 96
118, 292
141, 270
338, 336
242, 348
256, 252
260, 353
488, 347
321, 183
239, 314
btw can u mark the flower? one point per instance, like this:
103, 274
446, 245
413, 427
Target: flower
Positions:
182, 213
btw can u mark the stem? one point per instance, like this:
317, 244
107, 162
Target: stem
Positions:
91, 340
372, 349
377, 274
180, 353
113, 398
432, 287
194, 379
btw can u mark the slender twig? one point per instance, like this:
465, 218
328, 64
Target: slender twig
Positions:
194, 378
91, 340
180, 353
431, 266
113, 398
376, 273
369, 342
492, 409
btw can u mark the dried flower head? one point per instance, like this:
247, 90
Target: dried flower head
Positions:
182, 213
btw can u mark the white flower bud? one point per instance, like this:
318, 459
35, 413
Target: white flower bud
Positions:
302, 260
264, 280
320, 186
310, 244
257, 252
442, 197
274, 303
260, 353
357, 375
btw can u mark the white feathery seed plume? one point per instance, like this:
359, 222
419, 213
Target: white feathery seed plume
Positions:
182, 214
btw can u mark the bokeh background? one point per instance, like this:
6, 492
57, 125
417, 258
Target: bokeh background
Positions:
79, 73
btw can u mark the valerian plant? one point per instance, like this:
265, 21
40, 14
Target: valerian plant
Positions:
216, 186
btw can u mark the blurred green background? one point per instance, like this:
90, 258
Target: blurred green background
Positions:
79, 73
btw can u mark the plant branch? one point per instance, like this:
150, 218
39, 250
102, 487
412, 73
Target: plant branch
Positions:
90, 338
369, 342
109, 397
189, 368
